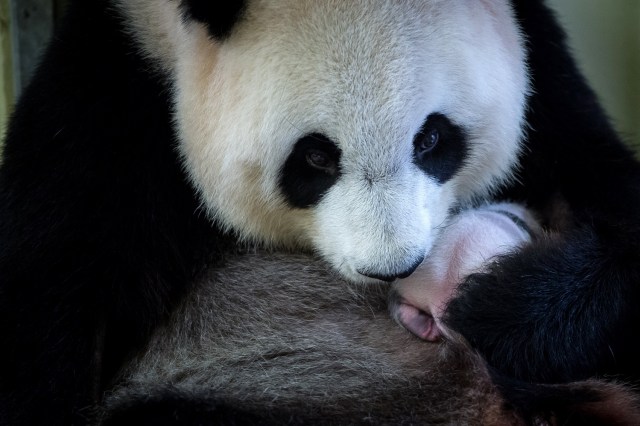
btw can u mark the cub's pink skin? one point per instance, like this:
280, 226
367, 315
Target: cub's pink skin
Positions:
470, 241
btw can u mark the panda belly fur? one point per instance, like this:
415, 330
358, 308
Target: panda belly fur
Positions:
277, 338
149, 143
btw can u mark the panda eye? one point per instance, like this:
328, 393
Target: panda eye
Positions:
426, 141
440, 147
321, 160
311, 169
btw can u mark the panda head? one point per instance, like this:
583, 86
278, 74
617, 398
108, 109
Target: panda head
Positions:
347, 127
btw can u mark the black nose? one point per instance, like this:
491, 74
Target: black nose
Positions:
391, 277
412, 268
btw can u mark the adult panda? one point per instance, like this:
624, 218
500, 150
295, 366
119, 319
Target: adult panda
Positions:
156, 134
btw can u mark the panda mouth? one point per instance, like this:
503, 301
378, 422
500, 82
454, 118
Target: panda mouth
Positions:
385, 278
392, 277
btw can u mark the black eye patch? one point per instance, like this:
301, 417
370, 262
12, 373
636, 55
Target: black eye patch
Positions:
440, 147
310, 170
219, 17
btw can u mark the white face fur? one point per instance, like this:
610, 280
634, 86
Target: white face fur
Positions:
364, 75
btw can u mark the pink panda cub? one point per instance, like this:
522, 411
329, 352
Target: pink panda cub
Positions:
470, 241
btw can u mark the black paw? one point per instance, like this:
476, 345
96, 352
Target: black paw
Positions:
558, 311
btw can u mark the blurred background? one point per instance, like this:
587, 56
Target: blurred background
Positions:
605, 36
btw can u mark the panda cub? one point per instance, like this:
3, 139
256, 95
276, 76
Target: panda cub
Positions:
468, 244
158, 136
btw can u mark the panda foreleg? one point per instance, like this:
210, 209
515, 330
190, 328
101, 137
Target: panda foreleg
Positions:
560, 310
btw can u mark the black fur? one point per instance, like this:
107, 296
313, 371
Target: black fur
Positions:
173, 407
565, 308
219, 17
99, 231
303, 183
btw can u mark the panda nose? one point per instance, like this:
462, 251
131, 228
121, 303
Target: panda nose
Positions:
412, 268
391, 277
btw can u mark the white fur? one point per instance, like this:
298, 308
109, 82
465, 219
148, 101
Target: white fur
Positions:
364, 73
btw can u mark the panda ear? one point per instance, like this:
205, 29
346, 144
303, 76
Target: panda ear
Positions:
219, 16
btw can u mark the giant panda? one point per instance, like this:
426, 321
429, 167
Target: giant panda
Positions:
157, 136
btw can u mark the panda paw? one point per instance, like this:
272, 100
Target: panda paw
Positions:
558, 311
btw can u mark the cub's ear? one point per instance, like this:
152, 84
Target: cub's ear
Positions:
219, 16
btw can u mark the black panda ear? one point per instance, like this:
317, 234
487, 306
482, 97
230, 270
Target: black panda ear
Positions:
219, 16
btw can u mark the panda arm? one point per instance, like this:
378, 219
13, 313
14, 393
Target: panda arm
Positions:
564, 308
99, 230
559, 311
